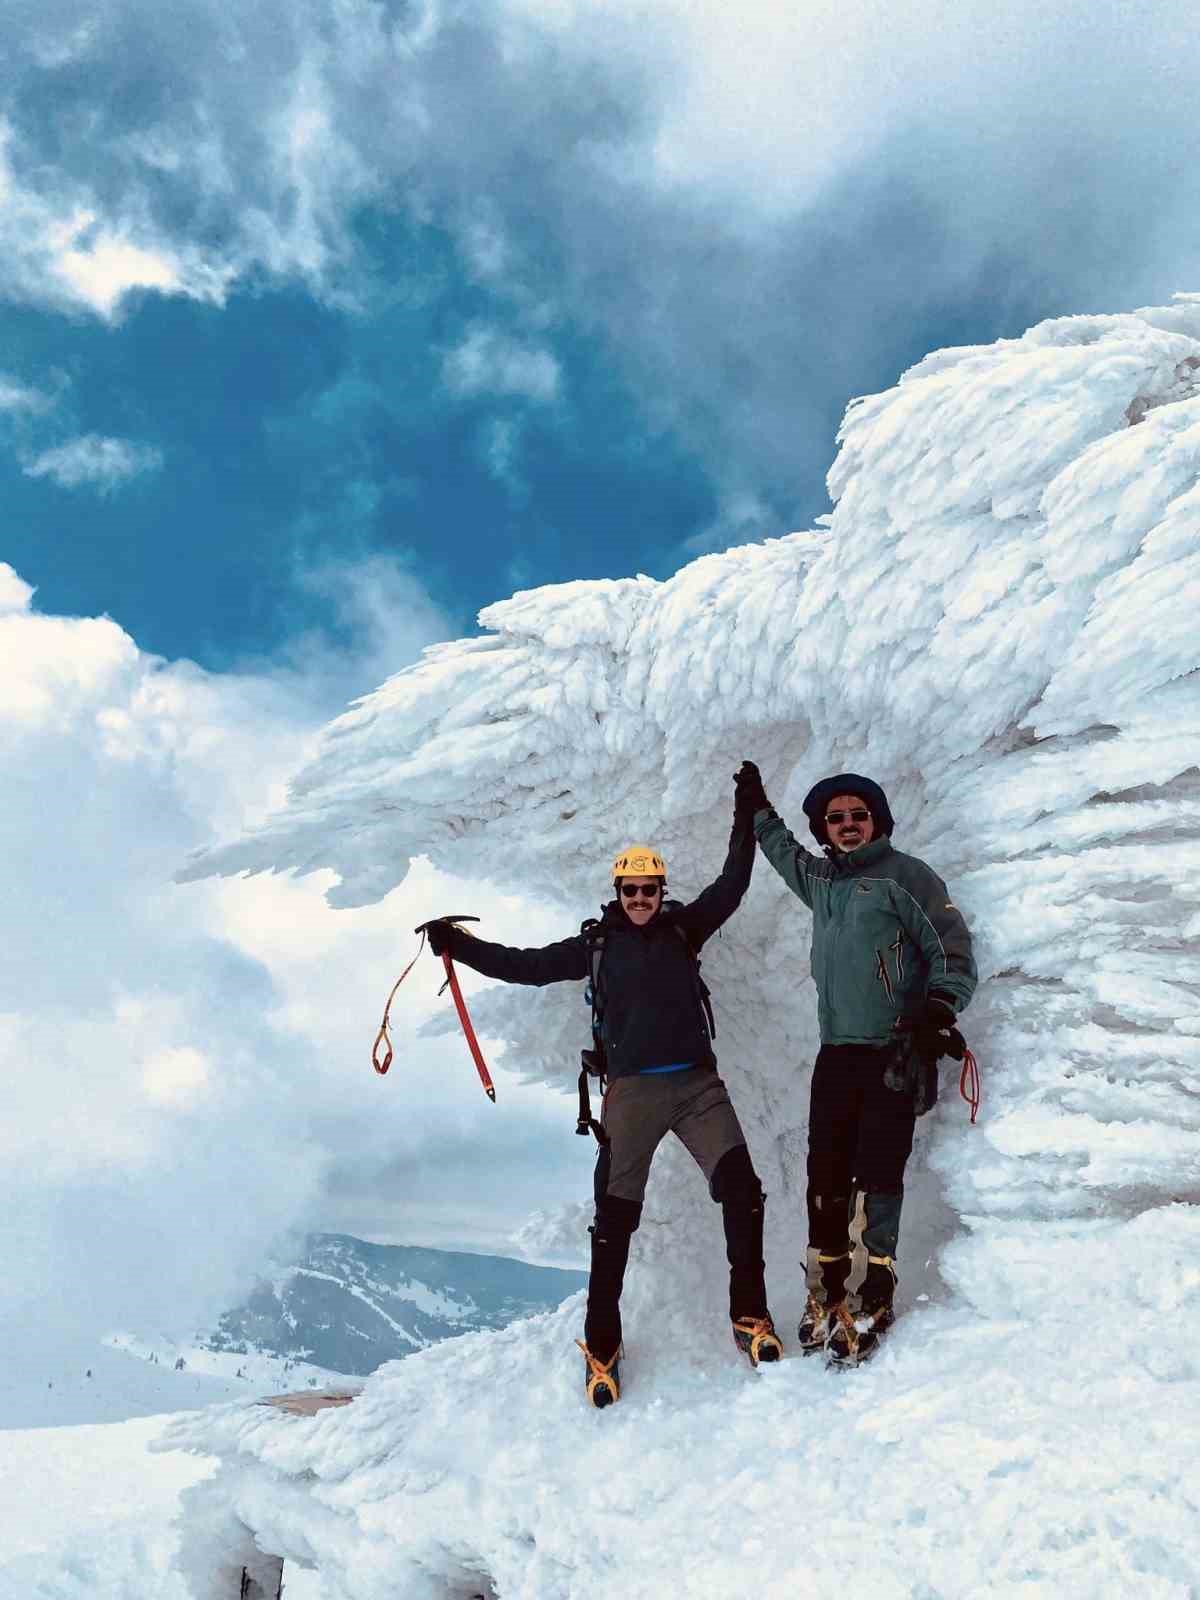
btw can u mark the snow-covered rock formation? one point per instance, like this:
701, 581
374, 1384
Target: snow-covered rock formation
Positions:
999, 623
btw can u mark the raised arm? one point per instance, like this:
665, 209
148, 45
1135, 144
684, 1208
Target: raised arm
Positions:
549, 963
701, 918
794, 864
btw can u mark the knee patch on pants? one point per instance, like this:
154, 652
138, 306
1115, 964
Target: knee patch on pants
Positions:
880, 1221
734, 1178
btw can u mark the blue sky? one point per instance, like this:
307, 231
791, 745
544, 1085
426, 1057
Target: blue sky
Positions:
280, 435
288, 434
324, 324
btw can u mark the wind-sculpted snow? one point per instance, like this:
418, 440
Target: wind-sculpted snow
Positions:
999, 624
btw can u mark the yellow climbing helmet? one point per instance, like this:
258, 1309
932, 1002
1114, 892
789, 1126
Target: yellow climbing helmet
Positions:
639, 861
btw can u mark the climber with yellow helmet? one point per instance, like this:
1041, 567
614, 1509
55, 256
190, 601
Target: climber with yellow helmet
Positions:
652, 1027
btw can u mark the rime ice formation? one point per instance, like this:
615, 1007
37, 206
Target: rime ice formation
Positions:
999, 623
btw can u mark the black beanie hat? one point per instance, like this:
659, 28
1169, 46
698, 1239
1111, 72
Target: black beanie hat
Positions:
819, 796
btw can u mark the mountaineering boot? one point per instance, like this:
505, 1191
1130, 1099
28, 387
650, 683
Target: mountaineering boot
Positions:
826, 1280
616, 1221
735, 1186
857, 1330
601, 1379
757, 1337
869, 1313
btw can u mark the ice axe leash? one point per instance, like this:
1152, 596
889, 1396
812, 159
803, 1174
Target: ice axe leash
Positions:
968, 1081
914, 1072
460, 1006
383, 1037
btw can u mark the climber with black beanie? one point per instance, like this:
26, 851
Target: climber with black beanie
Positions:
893, 966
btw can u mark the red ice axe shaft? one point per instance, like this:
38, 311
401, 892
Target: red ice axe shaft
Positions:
460, 1006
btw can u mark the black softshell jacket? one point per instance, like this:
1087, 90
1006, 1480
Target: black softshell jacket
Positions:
650, 998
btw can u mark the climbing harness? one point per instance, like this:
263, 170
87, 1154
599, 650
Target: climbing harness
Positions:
460, 1005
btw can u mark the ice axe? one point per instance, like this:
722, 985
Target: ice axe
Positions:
460, 1006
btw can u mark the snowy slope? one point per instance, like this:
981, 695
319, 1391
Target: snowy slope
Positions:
998, 624
348, 1306
342, 1310
68, 1380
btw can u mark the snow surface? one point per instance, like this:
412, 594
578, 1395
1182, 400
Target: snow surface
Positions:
86, 1513
999, 624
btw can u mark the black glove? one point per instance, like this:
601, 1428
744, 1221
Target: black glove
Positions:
749, 795
936, 1033
911, 1066
440, 935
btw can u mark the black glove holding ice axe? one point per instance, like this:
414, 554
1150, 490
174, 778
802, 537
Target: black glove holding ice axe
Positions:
439, 932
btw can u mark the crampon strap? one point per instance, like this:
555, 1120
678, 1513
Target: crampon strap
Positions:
968, 1082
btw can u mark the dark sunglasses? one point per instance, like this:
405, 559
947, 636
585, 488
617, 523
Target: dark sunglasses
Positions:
857, 815
649, 890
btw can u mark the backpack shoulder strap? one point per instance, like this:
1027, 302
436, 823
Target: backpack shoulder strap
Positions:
592, 1061
594, 936
701, 986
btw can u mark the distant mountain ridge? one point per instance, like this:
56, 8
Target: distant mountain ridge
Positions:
348, 1305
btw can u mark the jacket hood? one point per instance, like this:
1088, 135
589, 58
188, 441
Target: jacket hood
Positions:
873, 797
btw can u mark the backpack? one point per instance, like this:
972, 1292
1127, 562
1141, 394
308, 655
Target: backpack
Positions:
592, 1061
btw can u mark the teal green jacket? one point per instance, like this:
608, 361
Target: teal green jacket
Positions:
885, 933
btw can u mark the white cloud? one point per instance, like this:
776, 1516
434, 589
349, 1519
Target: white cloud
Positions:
94, 461
187, 1067
108, 266
15, 593
176, 1077
19, 398
488, 361
59, 249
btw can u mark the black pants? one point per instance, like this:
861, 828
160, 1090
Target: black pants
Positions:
860, 1136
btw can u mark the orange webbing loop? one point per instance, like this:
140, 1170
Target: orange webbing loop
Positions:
968, 1082
382, 1036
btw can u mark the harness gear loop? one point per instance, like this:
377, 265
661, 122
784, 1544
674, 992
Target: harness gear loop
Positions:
968, 1082
383, 1037
586, 1123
